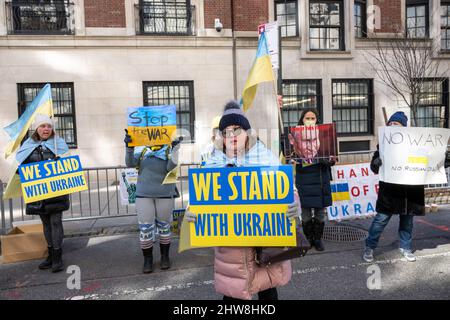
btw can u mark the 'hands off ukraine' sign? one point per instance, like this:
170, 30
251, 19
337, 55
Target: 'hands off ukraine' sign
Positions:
48, 179
241, 206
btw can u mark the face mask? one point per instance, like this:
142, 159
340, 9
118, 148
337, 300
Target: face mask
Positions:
309, 123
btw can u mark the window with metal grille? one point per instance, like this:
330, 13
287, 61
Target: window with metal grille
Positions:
326, 25
353, 106
165, 17
40, 17
445, 26
179, 93
360, 16
63, 107
286, 15
433, 104
417, 20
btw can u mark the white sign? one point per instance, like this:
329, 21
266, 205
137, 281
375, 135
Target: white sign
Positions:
128, 181
271, 30
354, 191
412, 155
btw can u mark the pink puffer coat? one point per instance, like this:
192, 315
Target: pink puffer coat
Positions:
237, 274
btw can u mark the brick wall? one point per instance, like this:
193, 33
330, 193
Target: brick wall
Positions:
391, 18
105, 13
248, 13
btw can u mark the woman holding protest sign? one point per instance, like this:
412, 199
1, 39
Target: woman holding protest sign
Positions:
312, 179
236, 272
406, 201
44, 145
154, 200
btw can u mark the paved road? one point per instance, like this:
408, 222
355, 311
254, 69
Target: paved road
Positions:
111, 269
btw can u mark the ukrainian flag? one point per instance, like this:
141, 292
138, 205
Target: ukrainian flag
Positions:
18, 129
340, 192
261, 71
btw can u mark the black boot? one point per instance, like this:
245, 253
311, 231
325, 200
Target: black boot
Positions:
47, 263
57, 263
165, 261
148, 260
318, 233
309, 231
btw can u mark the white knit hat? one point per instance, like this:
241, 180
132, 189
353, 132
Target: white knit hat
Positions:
42, 119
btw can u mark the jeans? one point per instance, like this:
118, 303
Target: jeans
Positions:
379, 223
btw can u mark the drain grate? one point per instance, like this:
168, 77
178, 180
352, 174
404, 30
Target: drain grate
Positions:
342, 233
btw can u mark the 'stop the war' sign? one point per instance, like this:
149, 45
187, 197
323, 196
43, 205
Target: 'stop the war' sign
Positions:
413, 156
149, 126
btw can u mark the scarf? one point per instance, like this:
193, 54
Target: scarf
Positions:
29, 145
161, 153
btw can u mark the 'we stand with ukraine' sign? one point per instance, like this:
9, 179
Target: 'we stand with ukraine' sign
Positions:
241, 206
48, 179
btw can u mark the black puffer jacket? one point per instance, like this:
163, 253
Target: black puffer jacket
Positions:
47, 206
313, 185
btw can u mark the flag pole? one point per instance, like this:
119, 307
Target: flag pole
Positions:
54, 123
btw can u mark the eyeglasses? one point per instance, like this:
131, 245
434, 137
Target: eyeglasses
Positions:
228, 133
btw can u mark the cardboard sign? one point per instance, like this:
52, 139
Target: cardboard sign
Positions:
241, 206
314, 142
150, 126
413, 156
127, 186
354, 190
48, 179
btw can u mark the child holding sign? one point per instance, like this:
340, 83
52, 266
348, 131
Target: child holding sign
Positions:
154, 200
45, 145
236, 273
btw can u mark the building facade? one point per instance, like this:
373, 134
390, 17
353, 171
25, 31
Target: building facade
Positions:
103, 56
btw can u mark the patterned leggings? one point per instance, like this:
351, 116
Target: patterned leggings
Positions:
154, 215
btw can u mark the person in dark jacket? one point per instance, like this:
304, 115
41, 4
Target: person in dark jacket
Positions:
406, 201
312, 180
154, 200
41, 146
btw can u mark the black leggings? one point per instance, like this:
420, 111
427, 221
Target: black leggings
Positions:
269, 294
53, 229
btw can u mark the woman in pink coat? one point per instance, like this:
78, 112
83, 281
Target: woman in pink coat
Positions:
236, 273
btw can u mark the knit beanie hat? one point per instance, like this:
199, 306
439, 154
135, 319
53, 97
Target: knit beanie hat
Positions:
233, 115
41, 119
400, 117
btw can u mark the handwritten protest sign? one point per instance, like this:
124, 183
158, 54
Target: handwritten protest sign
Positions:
241, 206
413, 156
314, 142
48, 179
149, 126
354, 190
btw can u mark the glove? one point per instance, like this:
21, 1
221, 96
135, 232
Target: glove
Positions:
56, 158
127, 139
189, 216
327, 162
377, 162
292, 212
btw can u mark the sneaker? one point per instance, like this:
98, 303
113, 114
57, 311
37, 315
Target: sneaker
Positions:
368, 254
408, 255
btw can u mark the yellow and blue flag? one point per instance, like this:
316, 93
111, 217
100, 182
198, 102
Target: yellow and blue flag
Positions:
18, 129
261, 71
340, 192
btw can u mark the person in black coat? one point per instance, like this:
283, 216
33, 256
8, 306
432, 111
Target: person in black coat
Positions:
405, 200
41, 146
312, 180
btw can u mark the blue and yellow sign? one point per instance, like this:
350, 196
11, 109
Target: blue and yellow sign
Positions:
241, 206
48, 179
340, 192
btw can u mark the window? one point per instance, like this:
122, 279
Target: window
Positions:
360, 16
326, 25
433, 104
286, 15
417, 19
299, 95
353, 106
445, 26
165, 17
179, 93
63, 107
354, 146
40, 17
